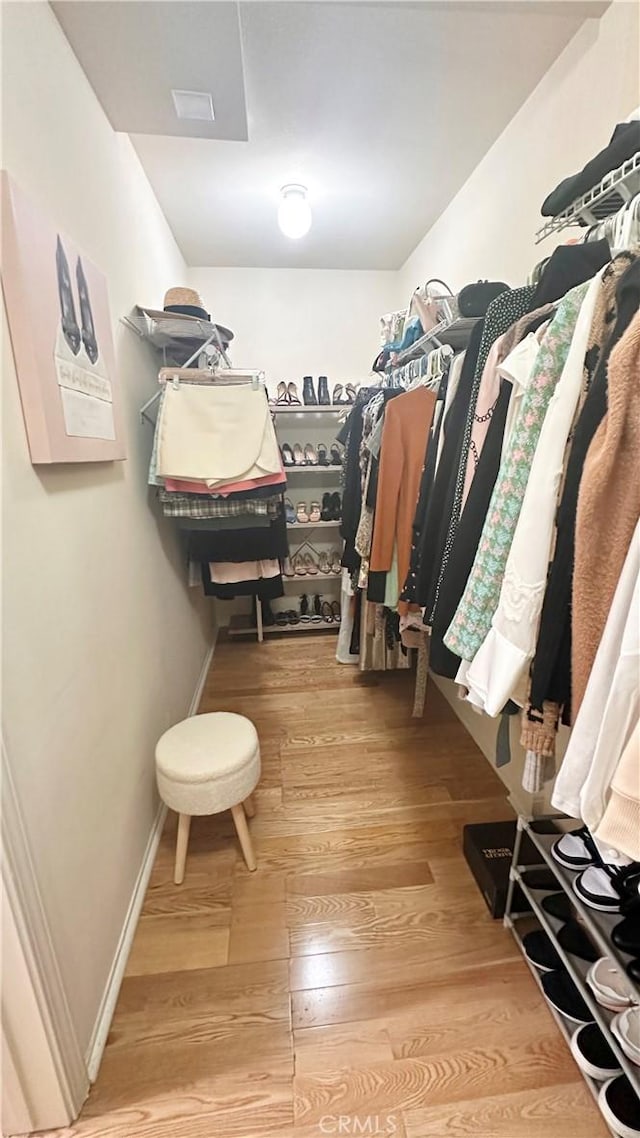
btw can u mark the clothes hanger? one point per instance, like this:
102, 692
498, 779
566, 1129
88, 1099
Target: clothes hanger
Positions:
226, 376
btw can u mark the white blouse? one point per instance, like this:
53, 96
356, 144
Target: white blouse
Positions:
611, 706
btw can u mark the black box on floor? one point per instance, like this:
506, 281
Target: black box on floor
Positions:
488, 849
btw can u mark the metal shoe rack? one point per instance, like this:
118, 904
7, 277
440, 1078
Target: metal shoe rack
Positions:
543, 832
307, 418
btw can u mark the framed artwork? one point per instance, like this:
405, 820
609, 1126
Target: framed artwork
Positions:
58, 311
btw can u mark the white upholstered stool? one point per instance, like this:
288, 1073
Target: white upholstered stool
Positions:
207, 764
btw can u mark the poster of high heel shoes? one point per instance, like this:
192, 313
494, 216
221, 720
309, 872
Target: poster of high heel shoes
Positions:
60, 326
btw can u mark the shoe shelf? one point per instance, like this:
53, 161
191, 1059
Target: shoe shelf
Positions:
577, 969
310, 578
565, 1026
301, 409
240, 625
313, 525
598, 926
312, 469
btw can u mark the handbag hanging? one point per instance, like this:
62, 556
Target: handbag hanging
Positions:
432, 307
474, 299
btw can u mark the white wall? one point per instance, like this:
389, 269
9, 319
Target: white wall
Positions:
489, 227
295, 322
103, 641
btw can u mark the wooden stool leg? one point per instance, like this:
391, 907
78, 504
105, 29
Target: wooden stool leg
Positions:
249, 806
184, 825
243, 835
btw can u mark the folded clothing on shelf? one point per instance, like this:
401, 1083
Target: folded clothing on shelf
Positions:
624, 143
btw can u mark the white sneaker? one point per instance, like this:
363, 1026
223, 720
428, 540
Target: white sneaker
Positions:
595, 887
611, 988
571, 850
626, 1028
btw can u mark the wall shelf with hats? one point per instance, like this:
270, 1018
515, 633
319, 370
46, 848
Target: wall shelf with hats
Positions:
183, 330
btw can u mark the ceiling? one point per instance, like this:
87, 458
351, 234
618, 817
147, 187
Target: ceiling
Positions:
383, 109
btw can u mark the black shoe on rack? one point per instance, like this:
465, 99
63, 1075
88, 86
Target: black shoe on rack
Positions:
620, 1106
317, 609
268, 619
326, 511
323, 391
574, 940
539, 950
336, 507
593, 1054
563, 995
626, 935
308, 392
628, 886
558, 905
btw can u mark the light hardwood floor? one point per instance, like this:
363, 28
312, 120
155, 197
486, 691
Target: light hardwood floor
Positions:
356, 973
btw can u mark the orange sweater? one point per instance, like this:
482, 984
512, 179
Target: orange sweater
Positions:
407, 422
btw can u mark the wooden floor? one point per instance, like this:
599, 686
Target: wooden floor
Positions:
357, 972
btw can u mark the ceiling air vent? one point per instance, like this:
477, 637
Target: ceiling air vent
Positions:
194, 105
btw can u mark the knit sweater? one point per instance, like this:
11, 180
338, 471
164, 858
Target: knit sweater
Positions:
620, 825
608, 508
404, 440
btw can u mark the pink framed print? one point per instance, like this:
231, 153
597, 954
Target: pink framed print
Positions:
60, 325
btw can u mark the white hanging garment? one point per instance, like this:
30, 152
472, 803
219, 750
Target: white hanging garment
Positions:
611, 704
216, 433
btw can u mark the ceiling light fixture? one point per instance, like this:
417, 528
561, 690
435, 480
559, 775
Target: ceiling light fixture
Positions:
294, 212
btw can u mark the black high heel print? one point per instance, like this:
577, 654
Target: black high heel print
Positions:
70, 328
86, 315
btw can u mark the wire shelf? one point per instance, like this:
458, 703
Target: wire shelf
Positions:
165, 330
455, 333
600, 201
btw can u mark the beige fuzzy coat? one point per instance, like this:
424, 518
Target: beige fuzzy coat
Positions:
608, 508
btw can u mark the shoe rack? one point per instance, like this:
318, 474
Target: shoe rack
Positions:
599, 926
302, 424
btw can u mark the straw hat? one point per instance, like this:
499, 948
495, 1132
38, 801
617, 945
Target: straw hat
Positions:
185, 301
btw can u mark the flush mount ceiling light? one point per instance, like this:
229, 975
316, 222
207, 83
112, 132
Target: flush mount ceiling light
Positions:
194, 105
294, 212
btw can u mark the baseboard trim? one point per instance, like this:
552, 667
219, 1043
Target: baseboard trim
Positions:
112, 989
202, 678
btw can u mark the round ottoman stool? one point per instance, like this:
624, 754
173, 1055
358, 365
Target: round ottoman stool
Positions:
207, 764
